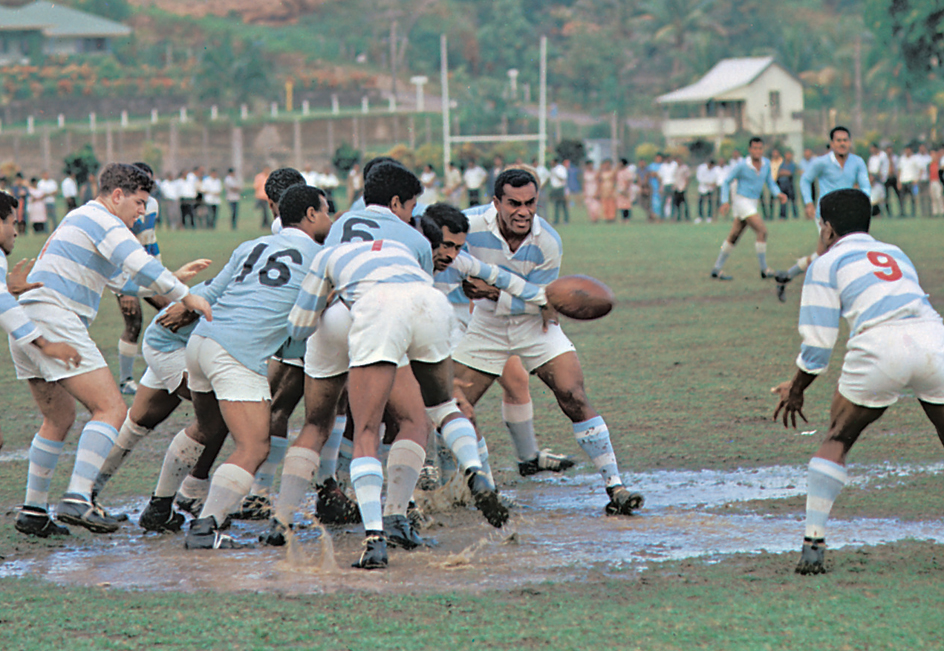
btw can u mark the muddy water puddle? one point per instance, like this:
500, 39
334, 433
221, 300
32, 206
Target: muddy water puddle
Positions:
558, 532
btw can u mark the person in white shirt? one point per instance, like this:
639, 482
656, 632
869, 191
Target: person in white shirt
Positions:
212, 196
558, 183
170, 201
70, 190
311, 177
474, 177
49, 188
453, 185
233, 189
706, 177
187, 194
909, 173
667, 185
878, 174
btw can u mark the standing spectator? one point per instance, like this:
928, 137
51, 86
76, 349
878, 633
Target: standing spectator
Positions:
644, 181
355, 184
21, 192
909, 172
36, 209
70, 191
666, 174
474, 177
655, 185
89, 188
606, 178
187, 192
935, 189
498, 166
706, 178
212, 196
50, 189
786, 176
625, 188
776, 160
683, 173
803, 165
170, 201
878, 175
591, 191
558, 183
262, 201
233, 189
891, 183
543, 175
430, 186
311, 177
329, 183
573, 182
453, 186
924, 197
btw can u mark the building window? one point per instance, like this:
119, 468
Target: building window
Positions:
775, 104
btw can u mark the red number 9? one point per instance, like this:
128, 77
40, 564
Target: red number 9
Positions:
887, 262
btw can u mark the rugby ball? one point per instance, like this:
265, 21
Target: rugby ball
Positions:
580, 297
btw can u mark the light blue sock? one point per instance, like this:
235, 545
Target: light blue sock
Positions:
43, 457
823, 485
483, 457
367, 478
345, 452
761, 249
95, 443
459, 435
329, 453
593, 436
265, 474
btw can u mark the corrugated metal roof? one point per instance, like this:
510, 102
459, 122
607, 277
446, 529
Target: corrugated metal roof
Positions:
725, 76
14, 20
62, 22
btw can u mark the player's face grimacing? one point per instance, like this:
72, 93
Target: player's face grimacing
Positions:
7, 233
446, 252
516, 209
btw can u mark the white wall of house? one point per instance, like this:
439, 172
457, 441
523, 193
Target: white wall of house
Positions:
763, 115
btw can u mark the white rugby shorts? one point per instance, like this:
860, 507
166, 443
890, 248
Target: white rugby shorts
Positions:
884, 360
165, 371
56, 324
211, 368
742, 207
397, 320
326, 353
490, 340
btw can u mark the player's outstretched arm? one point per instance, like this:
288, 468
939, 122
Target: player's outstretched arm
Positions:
198, 304
16, 279
791, 397
191, 269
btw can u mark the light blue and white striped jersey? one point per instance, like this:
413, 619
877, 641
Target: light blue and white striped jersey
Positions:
750, 181
12, 317
379, 223
351, 270
90, 250
537, 260
145, 229
449, 280
167, 341
833, 176
257, 288
359, 204
863, 280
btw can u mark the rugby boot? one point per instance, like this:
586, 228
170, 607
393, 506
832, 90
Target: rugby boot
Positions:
546, 460
275, 536
159, 515
120, 517
34, 521
192, 505
622, 501
76, 509
334, 507
204, 534
374, 556
486, 498
717, 275
254, 507
767, 273
812, 557
400, 533
128, 387
429, 478
782, 278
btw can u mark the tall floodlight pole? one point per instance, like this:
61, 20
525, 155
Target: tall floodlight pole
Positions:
542, 105
444, 82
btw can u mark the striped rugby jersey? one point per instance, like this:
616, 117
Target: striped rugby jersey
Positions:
379, 223
12, 317
256, 290
750, 181
352, 269
863, 280
88, 252
167, 341
145, 229
537, 260
449, 280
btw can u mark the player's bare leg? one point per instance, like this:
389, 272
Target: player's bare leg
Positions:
827, 476
564, 376
128, 342
518, 416
737, 227
760, 246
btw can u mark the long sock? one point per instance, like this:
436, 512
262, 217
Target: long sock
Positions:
367, 478
404, 462
126, 354
129, 436
483, 457
181, 456
265, 475
299, 468
95, 443
193, 488
593, 436
802, 265
43, 457
824, 482
761, 249
519, 419
726, 248
345, 453
328, 465
229, 486
459, 436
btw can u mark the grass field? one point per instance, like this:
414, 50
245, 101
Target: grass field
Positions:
681, 371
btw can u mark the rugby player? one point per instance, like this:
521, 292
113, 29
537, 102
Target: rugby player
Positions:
896, 342
93, 248
511, 236
751, 174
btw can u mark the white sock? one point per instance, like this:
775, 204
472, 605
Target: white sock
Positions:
194, 489
299, 468
328, 465
182, 455
229, 486
367, 478
43, 457
459, 436
404, 463
483, 457
265, 475
127, 351
593, 437
129, 436
519, 419
823, 485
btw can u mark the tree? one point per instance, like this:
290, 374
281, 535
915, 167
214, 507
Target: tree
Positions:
81, 163
913, 29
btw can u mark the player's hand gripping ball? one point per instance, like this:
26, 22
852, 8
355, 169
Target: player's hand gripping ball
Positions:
580, 297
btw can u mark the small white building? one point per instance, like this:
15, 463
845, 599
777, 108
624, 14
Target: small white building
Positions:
753, 95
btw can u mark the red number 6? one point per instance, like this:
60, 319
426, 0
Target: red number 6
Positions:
887, 262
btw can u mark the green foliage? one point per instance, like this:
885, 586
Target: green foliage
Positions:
647, 151
913, 30
153, 155
344, 158
570, 149
82, 163
226, 61
117, 10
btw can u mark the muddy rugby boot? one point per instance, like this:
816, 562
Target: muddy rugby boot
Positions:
486, 498
254, 507
75, 509
717, 275
159, 515
120, 517
192, 505
374, 556
622, 501
546, 460
812, 557
400, 533
34, 521
334, 507
204, 534
275, 536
